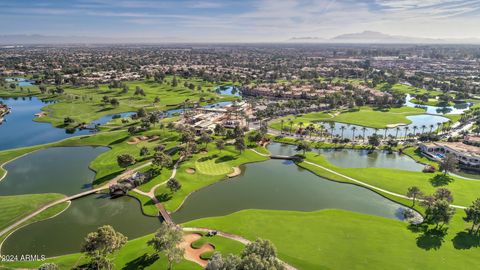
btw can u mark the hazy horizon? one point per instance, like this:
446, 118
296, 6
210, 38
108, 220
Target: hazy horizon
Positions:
235, 21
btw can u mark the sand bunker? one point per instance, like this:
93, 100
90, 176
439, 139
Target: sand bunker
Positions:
395, 125
190, 170
133, 140
236, 171
193, 254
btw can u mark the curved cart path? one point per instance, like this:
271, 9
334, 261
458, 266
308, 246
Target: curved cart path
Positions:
372, 187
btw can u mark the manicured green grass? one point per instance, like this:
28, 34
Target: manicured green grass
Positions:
48, 213
211, 165
405, 89
363, 116
84, 104
135, 255
337, 239
229, 157
416, 154
398, 181
432, 102
14, 208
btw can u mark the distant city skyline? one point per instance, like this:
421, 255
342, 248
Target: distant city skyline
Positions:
240, 21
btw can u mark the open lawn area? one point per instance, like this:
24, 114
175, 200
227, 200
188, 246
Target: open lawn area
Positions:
14, 208
219, 164
136, 254
398, 181
85, 104
362, 116
337, 239
432, 102
405, 89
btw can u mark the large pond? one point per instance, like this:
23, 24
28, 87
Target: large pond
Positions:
422, 123
20, 81
353, 158
282, 185
65, 233
61, 169
229, 91
20, 130
456, 109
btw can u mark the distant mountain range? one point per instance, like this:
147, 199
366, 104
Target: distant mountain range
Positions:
378, 37
366, 37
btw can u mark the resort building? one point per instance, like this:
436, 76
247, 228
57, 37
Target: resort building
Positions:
468, 155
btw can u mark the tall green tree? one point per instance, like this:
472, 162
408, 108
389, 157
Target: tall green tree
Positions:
220, 144
240, 144
166, 241
472, 214
100, 244
304, 147
125, 160
414, 193
448, 164
174, 185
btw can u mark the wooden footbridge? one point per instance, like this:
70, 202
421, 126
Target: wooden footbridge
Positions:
294, 158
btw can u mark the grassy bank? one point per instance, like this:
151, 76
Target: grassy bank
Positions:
136, 254
362, 116
337, 239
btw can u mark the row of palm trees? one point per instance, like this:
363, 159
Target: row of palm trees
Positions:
311, 129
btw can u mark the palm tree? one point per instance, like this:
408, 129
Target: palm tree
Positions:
342, 128
281, 125
364, 129
385, 133
332, 127
431, 128
291, 124
414, 130
406, 130
354, 128
300, 125
423, 128
396, 133
438, 126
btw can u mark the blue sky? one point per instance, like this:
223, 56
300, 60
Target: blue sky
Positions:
241, 20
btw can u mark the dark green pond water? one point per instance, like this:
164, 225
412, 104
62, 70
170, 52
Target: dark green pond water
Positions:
281, 185
60, 169
65, 233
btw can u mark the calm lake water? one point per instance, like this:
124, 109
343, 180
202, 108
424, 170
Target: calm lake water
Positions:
20, 81
282, 185
65, 233
20, 130
352, 158
60, 169
456, 109
229, 91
